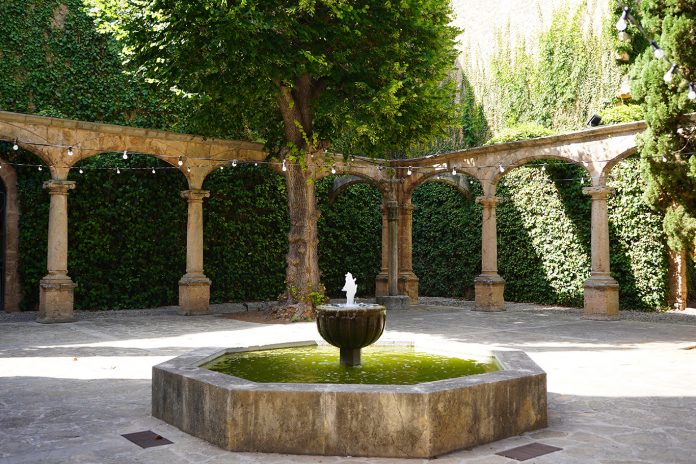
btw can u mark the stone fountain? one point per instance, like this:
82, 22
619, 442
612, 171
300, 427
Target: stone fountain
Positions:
351, 327
420, 420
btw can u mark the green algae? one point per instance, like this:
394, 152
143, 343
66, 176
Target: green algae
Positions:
381, 365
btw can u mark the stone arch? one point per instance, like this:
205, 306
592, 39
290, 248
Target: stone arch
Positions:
517, 163
421, 175
616, 160
12, 287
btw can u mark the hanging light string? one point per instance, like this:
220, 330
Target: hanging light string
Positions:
658, 52
409, 170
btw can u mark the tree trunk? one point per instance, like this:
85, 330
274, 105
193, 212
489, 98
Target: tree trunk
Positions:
302, 272
678, 291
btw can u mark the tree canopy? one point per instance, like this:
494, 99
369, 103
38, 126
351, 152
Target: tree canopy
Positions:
368, 76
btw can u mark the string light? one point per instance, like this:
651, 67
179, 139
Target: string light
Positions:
333, 169
188, 169
256, 164
153, 170
15, 147
70, 151
81, 171
284, 167
692, 92
409, 172
621, 24
125, 154
585, 163
234, 163
181, 161
40, 168
543, 168
454, 171
501, 168
222, 168
664, 159
669, 75
118, 171
659, 53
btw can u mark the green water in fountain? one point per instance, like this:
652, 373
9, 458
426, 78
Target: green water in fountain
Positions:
381, 365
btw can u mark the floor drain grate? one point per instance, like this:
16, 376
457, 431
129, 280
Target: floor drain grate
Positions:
146, 439
532, 450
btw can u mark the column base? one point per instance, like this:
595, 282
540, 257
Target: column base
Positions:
489, 293
56, 300
194, 295
396, 302
601, 299
408, 285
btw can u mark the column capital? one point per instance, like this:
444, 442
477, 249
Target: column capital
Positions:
59, 187
598, 193
195, 194
488, 201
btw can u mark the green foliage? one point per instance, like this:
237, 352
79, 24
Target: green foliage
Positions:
621, 113
245, 232
374, 74
446, 239
522, 131
571, 76
350, 237
671, 185
53, 62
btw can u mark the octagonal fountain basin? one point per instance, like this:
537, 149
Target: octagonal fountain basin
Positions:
418, 419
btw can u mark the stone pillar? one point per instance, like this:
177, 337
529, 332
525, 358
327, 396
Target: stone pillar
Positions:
393, 300
601, 290
194, 286
382, 279
56, 289
408, 281
489, 286
393, 266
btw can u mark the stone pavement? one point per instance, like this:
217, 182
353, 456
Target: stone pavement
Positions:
620, 392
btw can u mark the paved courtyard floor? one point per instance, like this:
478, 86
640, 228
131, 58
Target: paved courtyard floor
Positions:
620, 392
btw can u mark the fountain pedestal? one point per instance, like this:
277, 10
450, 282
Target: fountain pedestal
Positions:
351, 328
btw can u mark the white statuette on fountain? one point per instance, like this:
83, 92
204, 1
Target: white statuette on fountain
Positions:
350, 288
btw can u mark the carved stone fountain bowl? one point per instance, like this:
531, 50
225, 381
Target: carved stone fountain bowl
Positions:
351, 327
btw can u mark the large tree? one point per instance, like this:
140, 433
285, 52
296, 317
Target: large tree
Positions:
370, 76
667, 146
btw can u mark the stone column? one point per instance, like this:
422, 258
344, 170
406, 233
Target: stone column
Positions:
393, 266
56, 289
393, 300
489, 286
194, 286
382, 279
601, 290
408, 281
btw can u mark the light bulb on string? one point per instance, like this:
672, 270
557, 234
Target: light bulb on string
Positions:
181, 161
222, 168
409, 171
669, 75
234, 163
585, 163
70, 151
188, 169
501, 168
582, 180
659, 53
543, 168
333, 169
664, 159
118, 171
15, 147
81, 171
125, 154
692, 92
454, 171
256, 164
40, 168
153, 170
284, 167
621, 24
